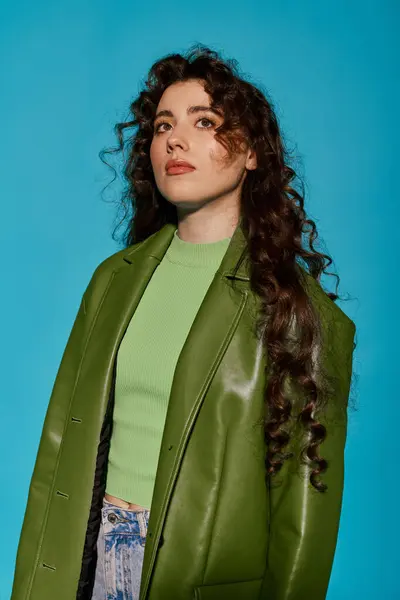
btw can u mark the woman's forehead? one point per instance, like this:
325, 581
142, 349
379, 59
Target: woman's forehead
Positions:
184, 93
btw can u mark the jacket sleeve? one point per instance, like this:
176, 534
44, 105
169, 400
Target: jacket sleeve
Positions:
304, 523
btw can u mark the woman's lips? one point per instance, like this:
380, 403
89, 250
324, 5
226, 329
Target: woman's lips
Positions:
179, 169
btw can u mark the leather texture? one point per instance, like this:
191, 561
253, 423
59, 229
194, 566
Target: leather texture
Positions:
216, 530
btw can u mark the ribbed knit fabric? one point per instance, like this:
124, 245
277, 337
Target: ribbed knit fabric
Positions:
146, 362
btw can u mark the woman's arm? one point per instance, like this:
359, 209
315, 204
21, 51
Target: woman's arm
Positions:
41, 485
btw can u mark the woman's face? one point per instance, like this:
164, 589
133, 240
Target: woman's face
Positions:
185, 132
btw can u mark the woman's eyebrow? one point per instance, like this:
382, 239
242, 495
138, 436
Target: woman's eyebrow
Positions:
190, 111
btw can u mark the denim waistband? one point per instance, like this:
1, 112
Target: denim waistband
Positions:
117, 520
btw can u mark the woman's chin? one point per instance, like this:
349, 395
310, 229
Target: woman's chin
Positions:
185, 201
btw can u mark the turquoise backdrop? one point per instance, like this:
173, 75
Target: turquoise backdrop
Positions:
69, 71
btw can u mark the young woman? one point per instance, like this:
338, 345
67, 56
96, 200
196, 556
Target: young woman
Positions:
194, 442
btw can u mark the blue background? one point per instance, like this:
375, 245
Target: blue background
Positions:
69, 72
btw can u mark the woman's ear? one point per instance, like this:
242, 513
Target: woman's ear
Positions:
251, 160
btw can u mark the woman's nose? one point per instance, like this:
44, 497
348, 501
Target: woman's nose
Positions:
175, 142
177, 138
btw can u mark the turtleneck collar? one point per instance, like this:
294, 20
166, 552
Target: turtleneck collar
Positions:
192, 254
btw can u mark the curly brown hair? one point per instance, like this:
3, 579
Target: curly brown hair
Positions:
280, 239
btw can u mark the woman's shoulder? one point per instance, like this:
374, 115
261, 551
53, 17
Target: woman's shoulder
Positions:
101, 275
328, 310
115, 261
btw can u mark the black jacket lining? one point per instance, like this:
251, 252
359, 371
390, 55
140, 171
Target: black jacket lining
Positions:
89, 556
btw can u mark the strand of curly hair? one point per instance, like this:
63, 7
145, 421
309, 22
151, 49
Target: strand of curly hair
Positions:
280, 238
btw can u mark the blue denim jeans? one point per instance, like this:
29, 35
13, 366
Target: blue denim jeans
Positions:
120, 548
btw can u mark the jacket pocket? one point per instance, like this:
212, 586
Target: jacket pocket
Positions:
243, 590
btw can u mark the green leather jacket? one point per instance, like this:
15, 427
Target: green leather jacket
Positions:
216, 530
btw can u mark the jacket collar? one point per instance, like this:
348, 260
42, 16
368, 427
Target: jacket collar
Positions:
156, 245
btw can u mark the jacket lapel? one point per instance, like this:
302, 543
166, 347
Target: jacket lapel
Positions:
205, 345
124, 290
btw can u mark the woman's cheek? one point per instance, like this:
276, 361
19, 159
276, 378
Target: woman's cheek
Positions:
154, 157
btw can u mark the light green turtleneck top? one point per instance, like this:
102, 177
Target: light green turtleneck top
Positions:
146, 361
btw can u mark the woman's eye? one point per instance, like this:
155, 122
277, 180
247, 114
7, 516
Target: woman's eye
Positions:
157, 127
207, 120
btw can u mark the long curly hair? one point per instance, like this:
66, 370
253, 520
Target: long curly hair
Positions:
280, 239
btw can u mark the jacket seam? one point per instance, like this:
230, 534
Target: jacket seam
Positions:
217, 502
43, 531
225, 583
